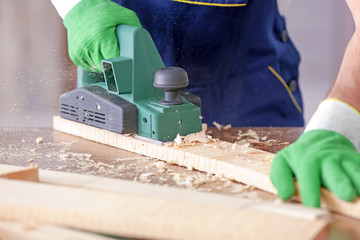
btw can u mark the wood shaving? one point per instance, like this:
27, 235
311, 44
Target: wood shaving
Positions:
278, 201
253, 140
249, 134
178, 176
178, 140
160, 165
146, 176
227, 183
217, 125
200, 137
31, 160
227, 127
39, 140
193, 138
170, 161
163, 179
131, 159
75, 156
121, 167
210, 145
101, 164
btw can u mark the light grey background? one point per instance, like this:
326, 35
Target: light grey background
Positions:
35, 69
320, 30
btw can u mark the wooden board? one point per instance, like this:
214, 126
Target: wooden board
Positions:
150, 190
123, 208
33, 230
240, 163
29, 174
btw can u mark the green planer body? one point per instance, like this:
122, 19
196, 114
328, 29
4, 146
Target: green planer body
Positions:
125, 98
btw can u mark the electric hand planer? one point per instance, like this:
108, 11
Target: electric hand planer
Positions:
135, 94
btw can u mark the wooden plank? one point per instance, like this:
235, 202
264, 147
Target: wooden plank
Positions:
158, 214
242, 164
139, 189
33, 230
29, 174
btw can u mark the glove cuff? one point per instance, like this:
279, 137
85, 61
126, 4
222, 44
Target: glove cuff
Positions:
335, 115
64, 6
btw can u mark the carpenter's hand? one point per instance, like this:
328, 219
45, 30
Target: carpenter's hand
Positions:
318, 158
91, 28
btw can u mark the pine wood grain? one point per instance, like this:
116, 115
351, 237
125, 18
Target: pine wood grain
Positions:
239, 163
130, 209
33, 230
29, 173
150, 190
242, 164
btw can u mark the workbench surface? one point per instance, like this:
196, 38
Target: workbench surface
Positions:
62, 152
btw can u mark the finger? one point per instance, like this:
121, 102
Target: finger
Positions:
352, 169
309, 182
84, 59
126, 16
96, 56
109, 47
336, 180
282, 177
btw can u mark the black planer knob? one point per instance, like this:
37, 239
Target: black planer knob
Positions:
171, 80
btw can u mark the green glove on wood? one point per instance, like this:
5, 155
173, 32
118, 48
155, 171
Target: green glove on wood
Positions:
91, 28
318, 157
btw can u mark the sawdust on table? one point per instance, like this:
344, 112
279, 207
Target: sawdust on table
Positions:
143, 169
252, 138
152, 171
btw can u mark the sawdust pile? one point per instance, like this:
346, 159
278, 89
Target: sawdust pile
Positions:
220, 127
251, 138
193, 138
152, 171
62, 156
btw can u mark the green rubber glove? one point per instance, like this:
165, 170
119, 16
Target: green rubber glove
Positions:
91, 28
318, 158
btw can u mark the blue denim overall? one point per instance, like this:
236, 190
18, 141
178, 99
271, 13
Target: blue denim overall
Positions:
237, 54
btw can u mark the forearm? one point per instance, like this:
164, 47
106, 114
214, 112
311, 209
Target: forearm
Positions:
347, 85
340, 113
